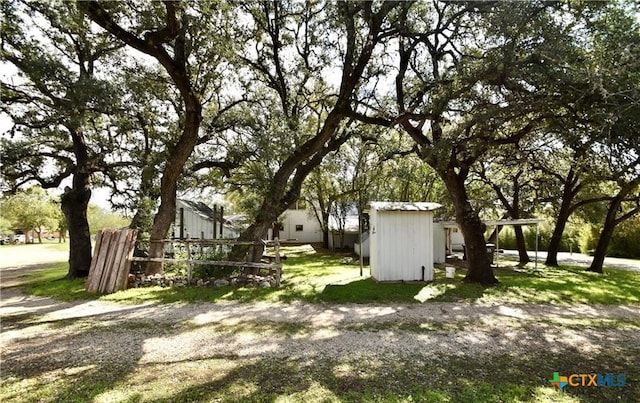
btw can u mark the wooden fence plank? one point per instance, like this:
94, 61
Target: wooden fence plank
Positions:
212, 241
275, 268
210, 262
92, 268
125, 263
117, 251
110, 264
108, 261
99, 256
278, 263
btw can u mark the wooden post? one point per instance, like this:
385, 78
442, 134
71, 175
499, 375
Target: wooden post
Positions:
360, 240
279, 265
189, 264
221, 219
181, 223
215, 221
537, 236
92, 267
498, 229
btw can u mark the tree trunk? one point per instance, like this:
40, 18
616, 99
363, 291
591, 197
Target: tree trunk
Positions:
168, 186
325, 228
325, 238
479, 266
496, 232
601, 249
255, 233
269, 213
563, 217
176, 67
605, 235
74, 206
520, 242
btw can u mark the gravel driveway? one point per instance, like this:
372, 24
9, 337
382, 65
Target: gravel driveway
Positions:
43, 340
170, 332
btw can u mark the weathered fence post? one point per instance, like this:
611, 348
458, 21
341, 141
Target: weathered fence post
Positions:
189, 263
278, 264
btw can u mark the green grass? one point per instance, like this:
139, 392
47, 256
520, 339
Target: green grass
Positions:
555, 285
52, 282
316, 277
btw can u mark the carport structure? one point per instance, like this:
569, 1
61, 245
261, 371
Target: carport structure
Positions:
501, 223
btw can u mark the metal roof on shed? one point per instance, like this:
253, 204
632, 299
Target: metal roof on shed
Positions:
404, 206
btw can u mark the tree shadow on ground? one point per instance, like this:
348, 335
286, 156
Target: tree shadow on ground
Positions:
76, 359
416, 378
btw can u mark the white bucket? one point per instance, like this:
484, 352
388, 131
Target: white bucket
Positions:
450, 272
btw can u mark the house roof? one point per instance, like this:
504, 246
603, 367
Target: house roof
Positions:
200, 208
404, 206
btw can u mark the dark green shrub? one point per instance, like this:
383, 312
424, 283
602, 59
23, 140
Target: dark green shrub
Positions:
214, 253
625, 241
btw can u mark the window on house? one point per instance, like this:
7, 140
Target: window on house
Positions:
299, 227
281, 227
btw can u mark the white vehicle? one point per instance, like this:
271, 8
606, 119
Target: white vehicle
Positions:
20, 238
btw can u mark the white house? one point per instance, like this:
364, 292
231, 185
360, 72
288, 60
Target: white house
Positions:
198, 222
447, 238
401, 241
299, 225
350, 235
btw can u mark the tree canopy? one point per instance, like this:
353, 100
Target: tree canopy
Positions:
339, 103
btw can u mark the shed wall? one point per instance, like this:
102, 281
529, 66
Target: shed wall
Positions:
401, 243
439, 243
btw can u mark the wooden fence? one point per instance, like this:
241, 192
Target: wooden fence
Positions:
274, 268
113, 255
111, 260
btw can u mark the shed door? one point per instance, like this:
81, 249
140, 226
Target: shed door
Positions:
405, 245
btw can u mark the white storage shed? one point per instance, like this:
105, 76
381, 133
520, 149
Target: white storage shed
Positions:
401, 241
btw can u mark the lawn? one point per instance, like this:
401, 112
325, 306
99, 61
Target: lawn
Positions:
323, 277
39, 373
